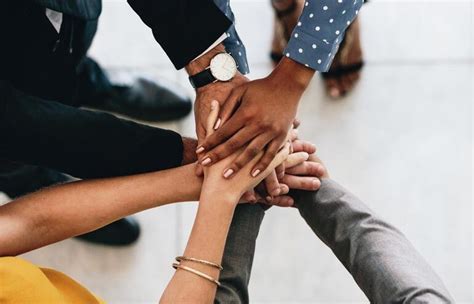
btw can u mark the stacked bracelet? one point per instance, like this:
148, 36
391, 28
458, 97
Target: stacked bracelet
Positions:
184, 258
178, 265
196, 272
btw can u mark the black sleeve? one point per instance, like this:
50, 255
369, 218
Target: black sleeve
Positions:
183, 28
81, 143
85, 9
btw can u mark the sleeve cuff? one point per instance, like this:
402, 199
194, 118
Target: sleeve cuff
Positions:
312, 53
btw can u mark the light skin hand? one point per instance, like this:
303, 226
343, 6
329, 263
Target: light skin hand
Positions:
219, 90
257, 115
306, 176
214, 183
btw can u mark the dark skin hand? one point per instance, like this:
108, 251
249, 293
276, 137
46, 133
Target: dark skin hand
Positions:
257, 114
189, 151
220, 91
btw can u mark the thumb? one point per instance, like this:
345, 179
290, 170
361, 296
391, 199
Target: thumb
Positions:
230, 105
212, 118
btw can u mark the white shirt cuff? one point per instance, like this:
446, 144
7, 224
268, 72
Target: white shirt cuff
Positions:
217, 42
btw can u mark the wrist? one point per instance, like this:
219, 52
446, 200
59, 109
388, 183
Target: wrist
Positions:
294, 74
221, 86
211, 195
189, 150
204, 61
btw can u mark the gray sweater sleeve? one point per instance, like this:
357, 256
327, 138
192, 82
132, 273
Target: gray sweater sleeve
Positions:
381, 260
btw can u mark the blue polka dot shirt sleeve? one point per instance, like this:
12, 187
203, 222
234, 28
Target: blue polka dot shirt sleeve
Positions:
232, 43
319, 31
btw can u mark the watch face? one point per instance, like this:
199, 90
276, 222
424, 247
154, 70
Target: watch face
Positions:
223, 67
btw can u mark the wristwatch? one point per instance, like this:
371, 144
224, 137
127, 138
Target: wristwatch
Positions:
221, 68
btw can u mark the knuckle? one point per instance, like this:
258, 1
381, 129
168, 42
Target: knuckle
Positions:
212, 155
270, 155
313, 170
232, 145
247, 115
306, 184
272, 128
238, 164
264, 163
252, 151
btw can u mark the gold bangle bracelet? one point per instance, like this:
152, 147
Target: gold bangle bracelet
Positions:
184, 258
196, 272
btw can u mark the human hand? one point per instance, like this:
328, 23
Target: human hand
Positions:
272, 185
258, 115
219, 90
232, 190
303, 176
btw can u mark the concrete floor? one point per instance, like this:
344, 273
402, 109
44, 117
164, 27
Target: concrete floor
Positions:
402, 141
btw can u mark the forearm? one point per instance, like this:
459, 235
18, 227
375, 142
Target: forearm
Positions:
63, 211
382, 261
321, 27
293, 75
183, 28
206, 242
239, 253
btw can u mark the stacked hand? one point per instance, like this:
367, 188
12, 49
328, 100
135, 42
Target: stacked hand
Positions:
254, 121
221, 92
303, 170
215, 184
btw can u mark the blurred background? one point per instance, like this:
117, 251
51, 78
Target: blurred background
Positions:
401, 141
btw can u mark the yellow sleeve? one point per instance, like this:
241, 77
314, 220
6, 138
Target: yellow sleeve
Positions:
23, 282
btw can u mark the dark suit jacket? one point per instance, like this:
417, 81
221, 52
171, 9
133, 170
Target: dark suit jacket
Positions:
183, 28
37, 60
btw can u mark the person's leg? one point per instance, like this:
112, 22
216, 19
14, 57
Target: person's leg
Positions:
140, 99
345, 69
382, 261
239, 253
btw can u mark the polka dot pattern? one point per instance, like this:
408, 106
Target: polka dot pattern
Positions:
320, 30
317, 36
232, 43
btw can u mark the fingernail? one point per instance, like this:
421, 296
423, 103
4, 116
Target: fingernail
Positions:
228, 173
218, 123
256, 172
291, 202
199, 150
334, 92
269, 198
313, 146
206, 161
315, 183
253, 198
214, 104
276, 192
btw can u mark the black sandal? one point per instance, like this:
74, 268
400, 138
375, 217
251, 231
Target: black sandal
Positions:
343, 70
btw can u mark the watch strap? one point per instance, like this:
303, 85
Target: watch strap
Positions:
202, 78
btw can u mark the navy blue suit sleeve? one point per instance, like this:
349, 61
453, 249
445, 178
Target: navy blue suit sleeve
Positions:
183, 28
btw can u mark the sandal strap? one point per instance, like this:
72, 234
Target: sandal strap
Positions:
288, 11
343, 70
276, 57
